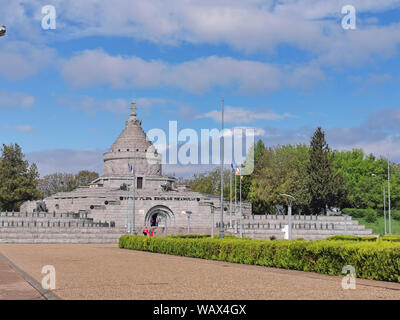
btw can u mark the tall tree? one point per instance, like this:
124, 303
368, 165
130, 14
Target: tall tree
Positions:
65, 182
281, 170
85, 177
18, 180
325, 186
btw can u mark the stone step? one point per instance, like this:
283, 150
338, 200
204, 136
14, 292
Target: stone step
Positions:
62, 230
61, 240
60, 235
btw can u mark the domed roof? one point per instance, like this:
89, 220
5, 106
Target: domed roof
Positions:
132, 136
132, 148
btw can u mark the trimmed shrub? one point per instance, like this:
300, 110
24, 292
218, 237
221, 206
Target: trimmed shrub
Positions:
201, 236
391, 237
344, 237
372, 260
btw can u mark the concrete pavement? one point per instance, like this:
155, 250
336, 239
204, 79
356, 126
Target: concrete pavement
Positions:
103, 271
13, 286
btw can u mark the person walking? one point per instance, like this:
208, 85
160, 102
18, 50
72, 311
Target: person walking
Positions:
145, 231
151, 232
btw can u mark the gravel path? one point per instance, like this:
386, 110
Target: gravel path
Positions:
13, 286
103, 271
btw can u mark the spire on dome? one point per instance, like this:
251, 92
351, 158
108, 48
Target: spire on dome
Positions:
133, 108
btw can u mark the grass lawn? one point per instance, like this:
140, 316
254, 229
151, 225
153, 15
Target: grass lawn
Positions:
378, 227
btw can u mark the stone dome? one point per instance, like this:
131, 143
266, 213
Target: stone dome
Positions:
132, 147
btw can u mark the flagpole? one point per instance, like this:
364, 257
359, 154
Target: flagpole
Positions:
221, 227
127, 205
241, 230
236, 220
230, 198
390, 223
134, 193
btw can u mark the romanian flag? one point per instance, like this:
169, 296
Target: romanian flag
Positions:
238, 172
241, 178
131, 170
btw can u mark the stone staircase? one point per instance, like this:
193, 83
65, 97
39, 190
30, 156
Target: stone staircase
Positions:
44, 227
303, 227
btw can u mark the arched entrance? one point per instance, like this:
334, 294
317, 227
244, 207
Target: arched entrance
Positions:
159, 216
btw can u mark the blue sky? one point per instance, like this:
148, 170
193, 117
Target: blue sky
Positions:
283, 67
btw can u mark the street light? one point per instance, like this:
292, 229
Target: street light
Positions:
221, 227
291, 199
384, 201
3, 30
188, 213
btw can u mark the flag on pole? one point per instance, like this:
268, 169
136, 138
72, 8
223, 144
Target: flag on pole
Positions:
131, 170
238, 173
232, 167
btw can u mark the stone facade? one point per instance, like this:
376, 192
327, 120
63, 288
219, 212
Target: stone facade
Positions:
158, 197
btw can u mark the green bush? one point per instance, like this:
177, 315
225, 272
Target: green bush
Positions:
340, 237
395, 214
372, 260
201, 236
391, 237
360, 213
371, 216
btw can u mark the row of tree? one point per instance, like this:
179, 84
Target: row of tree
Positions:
318, 177
19, 181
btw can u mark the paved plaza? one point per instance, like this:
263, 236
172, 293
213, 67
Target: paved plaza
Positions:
103, 271
14, 287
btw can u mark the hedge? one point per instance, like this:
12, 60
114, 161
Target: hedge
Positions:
372, 260
201, 236
391, 237
351, 238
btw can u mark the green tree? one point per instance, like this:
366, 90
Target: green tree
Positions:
325, 186
65, 182
364, 179
280, 170
85, 177
18, 180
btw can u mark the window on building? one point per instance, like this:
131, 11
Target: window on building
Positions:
140, 182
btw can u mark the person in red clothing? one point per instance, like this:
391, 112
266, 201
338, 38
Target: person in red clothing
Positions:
145, 231
151, 232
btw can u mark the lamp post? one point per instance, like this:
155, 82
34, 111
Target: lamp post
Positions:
291, 199
188, 213
390, 222
384, 201
134, 194
212, 218
3, 30
221, 227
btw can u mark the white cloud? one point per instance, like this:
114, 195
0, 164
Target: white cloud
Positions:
91, 105
19, 60
16, 99
68, 161
242, 115
250, 26
387, 147
96, 67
